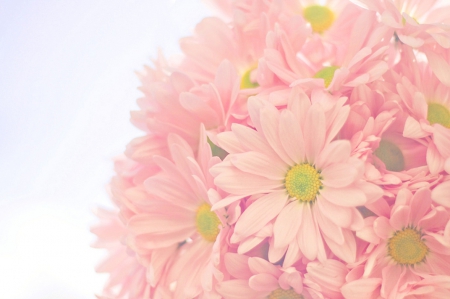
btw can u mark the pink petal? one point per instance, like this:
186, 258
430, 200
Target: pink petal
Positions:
251, 140
435, 219
341, 216
413, 129
292, 256
307, 236
441, 138
238, 182
345, 197
339, 175
314, 132
335, 152
287, 224
367, 233
291, 280
389, 286
259, 213
345, 251
440, 67
237, 265
260, 164
269, 123
291, 137
237, 289
383, 228
228, 142
263, 282
331, 230
441, 194
400, 218
420, 204
361, 288
259, 265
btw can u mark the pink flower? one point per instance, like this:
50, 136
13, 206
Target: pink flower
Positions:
298, 177
130, 276
357, 58
415, 22
256, 278
412, 243
427, 102
240, 41
178, 213
178, 105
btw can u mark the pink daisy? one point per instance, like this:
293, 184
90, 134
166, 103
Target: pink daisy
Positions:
357, 58
256, 278
298, 177
129, 277
415, 22
412, 243
178, 105
427, 101
240, 41
178, 213
419, 24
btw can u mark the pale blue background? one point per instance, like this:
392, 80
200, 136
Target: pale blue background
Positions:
67, 84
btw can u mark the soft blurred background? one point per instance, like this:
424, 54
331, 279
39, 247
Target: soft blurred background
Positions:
67, 84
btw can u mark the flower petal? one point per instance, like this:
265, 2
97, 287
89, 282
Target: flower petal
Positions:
259, 213
345, 197
287, 224
339, 175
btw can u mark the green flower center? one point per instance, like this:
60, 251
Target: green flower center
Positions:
406, 247
284, 294
303, 182
320, 17
207, 223
391, 156
246, 81
327, 74
438, 114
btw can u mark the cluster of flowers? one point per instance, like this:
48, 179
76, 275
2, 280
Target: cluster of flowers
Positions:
299, 150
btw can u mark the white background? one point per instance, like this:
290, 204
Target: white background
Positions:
67, 84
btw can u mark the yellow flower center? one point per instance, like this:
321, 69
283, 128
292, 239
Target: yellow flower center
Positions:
438, 114
246, 81
391, 156
207, 223
320, 17
327, 74
284, 294
303, 182
406, 247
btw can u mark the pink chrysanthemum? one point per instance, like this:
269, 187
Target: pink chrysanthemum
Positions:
130, 276
359, 56
256, 278
427, 102
300, 179
412, 243
178, 213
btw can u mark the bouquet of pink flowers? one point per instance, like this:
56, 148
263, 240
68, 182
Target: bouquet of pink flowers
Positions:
299, 150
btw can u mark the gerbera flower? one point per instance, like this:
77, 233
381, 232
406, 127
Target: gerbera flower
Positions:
179, 214
300, 178
256, 278
411, 243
